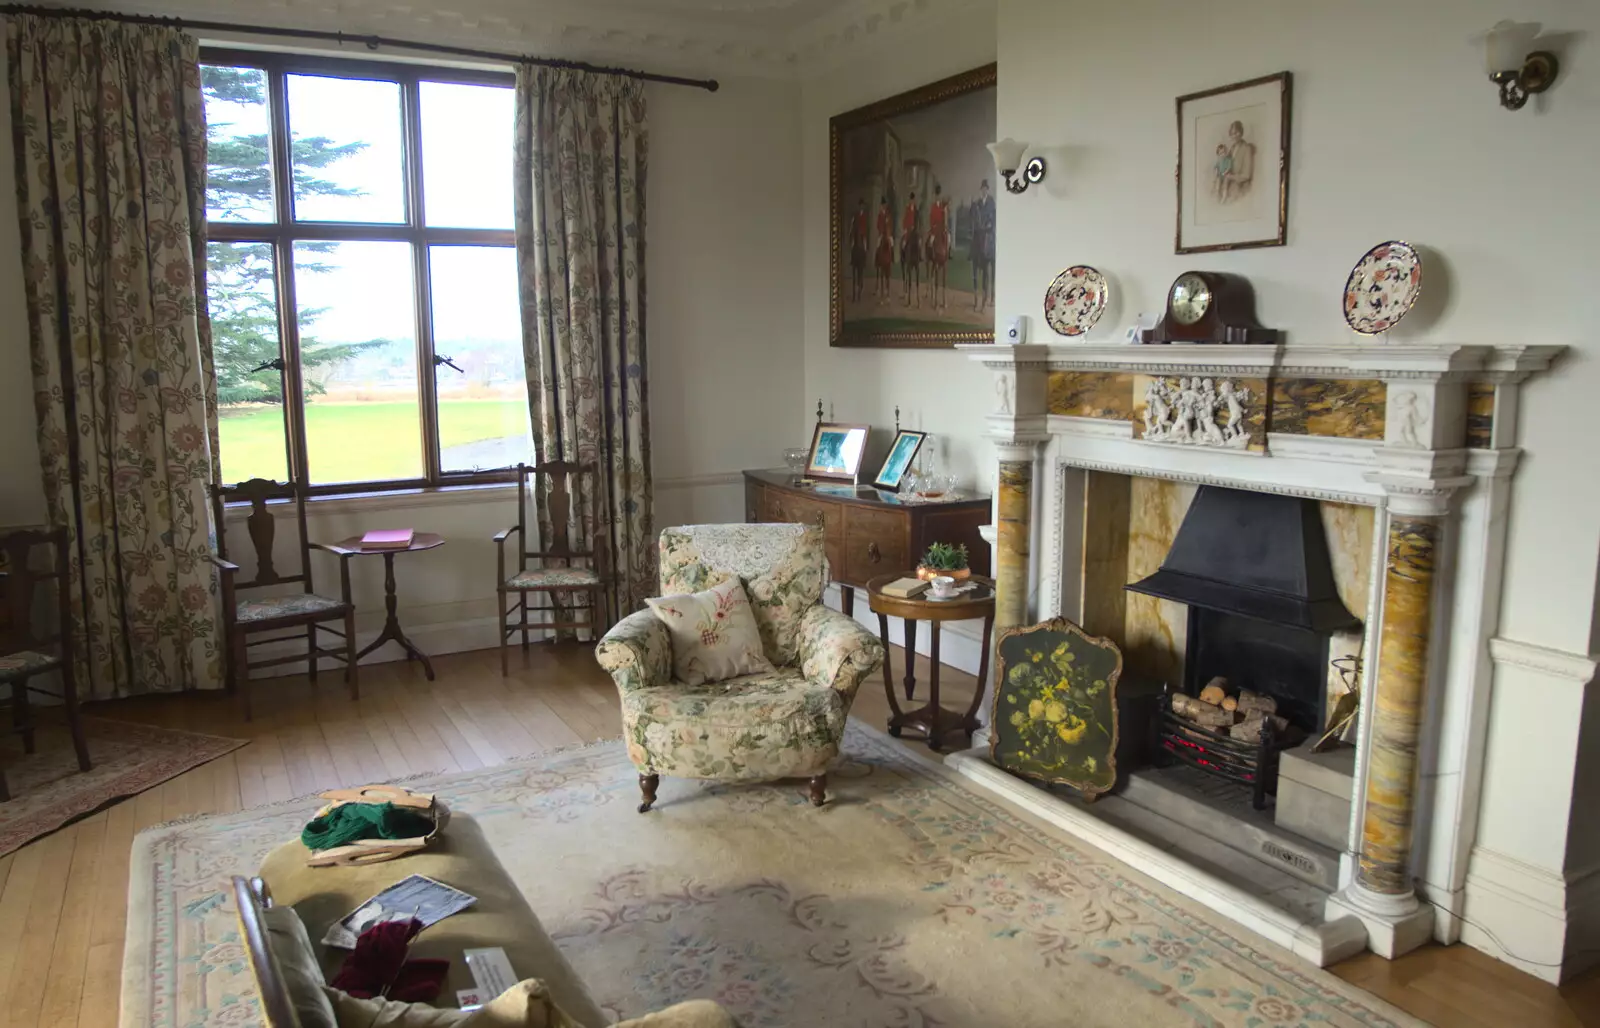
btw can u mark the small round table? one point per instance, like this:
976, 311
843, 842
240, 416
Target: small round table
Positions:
391, 624
933, 720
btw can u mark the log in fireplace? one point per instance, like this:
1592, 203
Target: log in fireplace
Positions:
1254, 571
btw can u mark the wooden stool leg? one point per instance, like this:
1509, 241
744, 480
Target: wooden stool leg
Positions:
819, 789
647, 786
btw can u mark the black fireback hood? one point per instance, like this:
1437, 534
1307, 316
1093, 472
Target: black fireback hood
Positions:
1256, 555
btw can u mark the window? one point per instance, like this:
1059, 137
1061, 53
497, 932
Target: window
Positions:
362, 272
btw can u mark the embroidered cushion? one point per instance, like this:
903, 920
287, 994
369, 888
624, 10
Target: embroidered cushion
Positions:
784, 569
714, 634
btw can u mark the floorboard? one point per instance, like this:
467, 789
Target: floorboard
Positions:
63, 898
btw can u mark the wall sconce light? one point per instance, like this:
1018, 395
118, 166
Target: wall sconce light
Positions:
1008, 158
1517, 70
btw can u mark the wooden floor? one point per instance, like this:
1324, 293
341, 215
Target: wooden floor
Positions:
63, 898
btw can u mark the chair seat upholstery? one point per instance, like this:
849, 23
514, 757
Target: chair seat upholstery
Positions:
273, 608
24, 663
552, 578
775, 724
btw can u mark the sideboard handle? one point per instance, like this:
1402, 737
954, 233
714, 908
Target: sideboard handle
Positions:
873, 553
819, 520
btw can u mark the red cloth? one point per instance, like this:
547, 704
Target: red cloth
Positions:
378, 966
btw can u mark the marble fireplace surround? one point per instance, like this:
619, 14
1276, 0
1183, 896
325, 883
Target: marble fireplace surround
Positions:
1424, 434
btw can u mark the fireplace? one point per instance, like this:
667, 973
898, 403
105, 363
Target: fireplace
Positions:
1254, 572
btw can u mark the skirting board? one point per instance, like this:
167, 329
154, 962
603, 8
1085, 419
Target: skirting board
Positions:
1541, 922
1321, 944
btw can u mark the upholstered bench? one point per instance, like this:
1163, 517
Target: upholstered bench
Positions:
291, 966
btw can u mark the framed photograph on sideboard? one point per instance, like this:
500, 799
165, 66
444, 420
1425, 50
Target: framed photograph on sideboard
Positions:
836, 452
898, 462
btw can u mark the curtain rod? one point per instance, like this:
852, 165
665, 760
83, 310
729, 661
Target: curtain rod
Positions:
372, 42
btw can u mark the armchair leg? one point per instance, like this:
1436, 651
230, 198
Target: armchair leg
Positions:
311, 653
648, 785
819, 790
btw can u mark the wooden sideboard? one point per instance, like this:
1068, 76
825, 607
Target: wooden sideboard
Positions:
867, 532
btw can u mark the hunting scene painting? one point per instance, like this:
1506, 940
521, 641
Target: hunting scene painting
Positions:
913, 210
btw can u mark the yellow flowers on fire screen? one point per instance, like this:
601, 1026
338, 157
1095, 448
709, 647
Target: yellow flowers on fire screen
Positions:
1055, 707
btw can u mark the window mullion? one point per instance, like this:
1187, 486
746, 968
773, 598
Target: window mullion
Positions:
294, 409
427, 377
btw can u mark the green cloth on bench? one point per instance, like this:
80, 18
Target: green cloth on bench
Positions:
351, 822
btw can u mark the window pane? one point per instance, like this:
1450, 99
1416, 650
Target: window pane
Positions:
358, 359
483, 408
466, 155
238, 158
241, 295
348, 160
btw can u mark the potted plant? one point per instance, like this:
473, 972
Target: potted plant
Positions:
944, 559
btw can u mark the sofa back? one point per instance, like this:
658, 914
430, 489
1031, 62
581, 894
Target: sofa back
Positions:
784, 569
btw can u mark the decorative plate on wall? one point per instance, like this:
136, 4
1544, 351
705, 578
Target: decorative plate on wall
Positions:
1382, 287
1075, 300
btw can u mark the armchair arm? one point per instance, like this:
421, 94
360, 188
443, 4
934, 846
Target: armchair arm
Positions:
835, 651
505, 533
637, 652
227, 567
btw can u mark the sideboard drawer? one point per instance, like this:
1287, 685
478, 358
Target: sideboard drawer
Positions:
803, 510
875, 543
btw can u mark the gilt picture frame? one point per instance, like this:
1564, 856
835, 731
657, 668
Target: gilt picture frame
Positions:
911, 213
1054, 712
898, 460
836, 452
1233, 166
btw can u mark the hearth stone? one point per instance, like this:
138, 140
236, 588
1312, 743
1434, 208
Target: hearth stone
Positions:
1314, 793
1201, 804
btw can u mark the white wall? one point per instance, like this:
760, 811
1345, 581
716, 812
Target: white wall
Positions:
723, 324
937, 391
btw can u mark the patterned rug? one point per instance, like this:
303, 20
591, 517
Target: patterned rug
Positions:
48, 791
908, 901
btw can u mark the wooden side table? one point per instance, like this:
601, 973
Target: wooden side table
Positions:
933, 720
391, 623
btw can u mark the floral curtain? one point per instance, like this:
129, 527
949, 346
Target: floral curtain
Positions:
110, 149
580, 190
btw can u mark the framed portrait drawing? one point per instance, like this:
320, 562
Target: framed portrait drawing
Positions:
898, 462
1233, 166
912, 217
836, 452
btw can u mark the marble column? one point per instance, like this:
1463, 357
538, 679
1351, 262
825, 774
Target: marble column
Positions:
1013, 531
1398, 705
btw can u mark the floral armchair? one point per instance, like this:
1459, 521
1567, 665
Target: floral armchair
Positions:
786, 723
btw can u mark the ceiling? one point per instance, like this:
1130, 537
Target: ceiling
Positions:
764, 38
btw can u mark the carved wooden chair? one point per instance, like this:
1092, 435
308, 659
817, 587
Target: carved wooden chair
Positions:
32, 557
246, 617
563, 567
